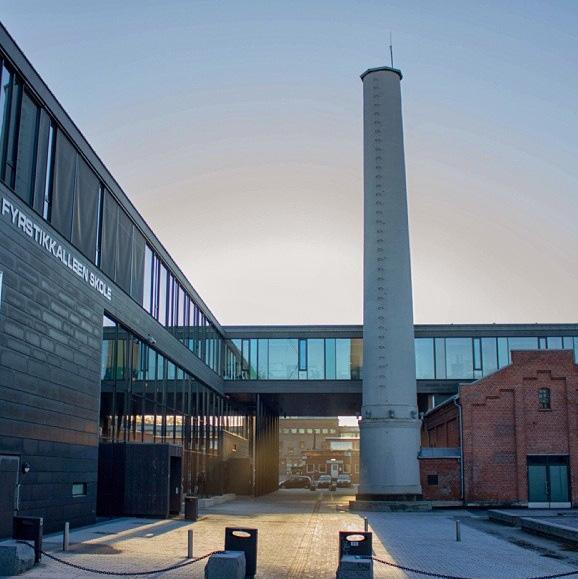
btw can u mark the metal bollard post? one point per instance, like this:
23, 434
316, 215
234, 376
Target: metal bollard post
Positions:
365, 524
458, 532
66, 536
189, 544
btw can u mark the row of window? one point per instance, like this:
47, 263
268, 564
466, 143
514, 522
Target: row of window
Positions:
169, 303
472, 358
342, 358
147, 398
42, 166
294, 359
308, 430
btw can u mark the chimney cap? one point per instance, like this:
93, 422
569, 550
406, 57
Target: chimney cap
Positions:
384, 68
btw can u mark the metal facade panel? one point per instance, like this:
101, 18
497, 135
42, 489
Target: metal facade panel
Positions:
65, 167
85, 210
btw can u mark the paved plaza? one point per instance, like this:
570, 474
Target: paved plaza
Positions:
298, 539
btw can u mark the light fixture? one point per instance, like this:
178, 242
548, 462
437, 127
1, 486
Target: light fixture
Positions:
26, 468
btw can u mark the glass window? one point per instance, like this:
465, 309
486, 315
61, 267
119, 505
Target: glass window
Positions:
522, 344
330, 358
181, 318
356, 358
554, 343
315, 359
99, 225
302, 355
459, 358
343, 359
283, 359
489, 355
253, 360
10, 90
79, 489
162, 311
440, 354
170, 299
477, 344
503, 352
424, 359
148, 280
567, 343
5, 93
27, 140
263, 359
47, 202
544, 398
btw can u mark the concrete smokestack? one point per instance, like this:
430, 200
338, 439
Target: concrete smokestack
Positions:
389, 424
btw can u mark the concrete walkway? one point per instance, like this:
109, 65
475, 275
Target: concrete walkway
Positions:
298, 539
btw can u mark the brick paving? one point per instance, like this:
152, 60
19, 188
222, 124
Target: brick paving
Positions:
298, 539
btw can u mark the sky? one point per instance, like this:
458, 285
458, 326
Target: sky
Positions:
236, 130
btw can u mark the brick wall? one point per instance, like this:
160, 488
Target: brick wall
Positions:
503, 424
440, 429
440, 478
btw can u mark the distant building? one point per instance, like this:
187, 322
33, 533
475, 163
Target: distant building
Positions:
340, 456
516, 432
306, 444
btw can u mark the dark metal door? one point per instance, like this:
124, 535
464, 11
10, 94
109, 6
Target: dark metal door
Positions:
175, 482
548, 482
9, 469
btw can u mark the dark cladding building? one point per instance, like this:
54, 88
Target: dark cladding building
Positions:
119, 390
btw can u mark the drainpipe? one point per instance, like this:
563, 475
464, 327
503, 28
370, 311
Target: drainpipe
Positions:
461, 428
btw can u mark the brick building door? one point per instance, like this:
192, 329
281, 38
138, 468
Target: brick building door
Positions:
548, 482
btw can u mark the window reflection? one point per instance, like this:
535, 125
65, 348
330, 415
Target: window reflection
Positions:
342, 358
424, 359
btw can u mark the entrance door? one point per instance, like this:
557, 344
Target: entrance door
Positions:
548, 482
175, 481
9, 469
333, 468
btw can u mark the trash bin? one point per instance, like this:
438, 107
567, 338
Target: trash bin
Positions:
238, 539
355, 543
191, 508
29, 529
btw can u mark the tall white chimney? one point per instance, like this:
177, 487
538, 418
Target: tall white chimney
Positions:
389, 424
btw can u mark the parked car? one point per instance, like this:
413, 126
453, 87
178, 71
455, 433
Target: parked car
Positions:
344, 481
296, 482
324, 481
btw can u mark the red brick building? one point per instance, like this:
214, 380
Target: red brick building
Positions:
516, 431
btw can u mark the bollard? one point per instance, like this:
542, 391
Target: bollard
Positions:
365, 524
66, 536
458, 531
243, 539
29, 529
355, 552
189, 544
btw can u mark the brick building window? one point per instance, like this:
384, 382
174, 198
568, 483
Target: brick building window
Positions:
432, 480
544, 398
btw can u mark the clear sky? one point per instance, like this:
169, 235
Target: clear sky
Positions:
236, 129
